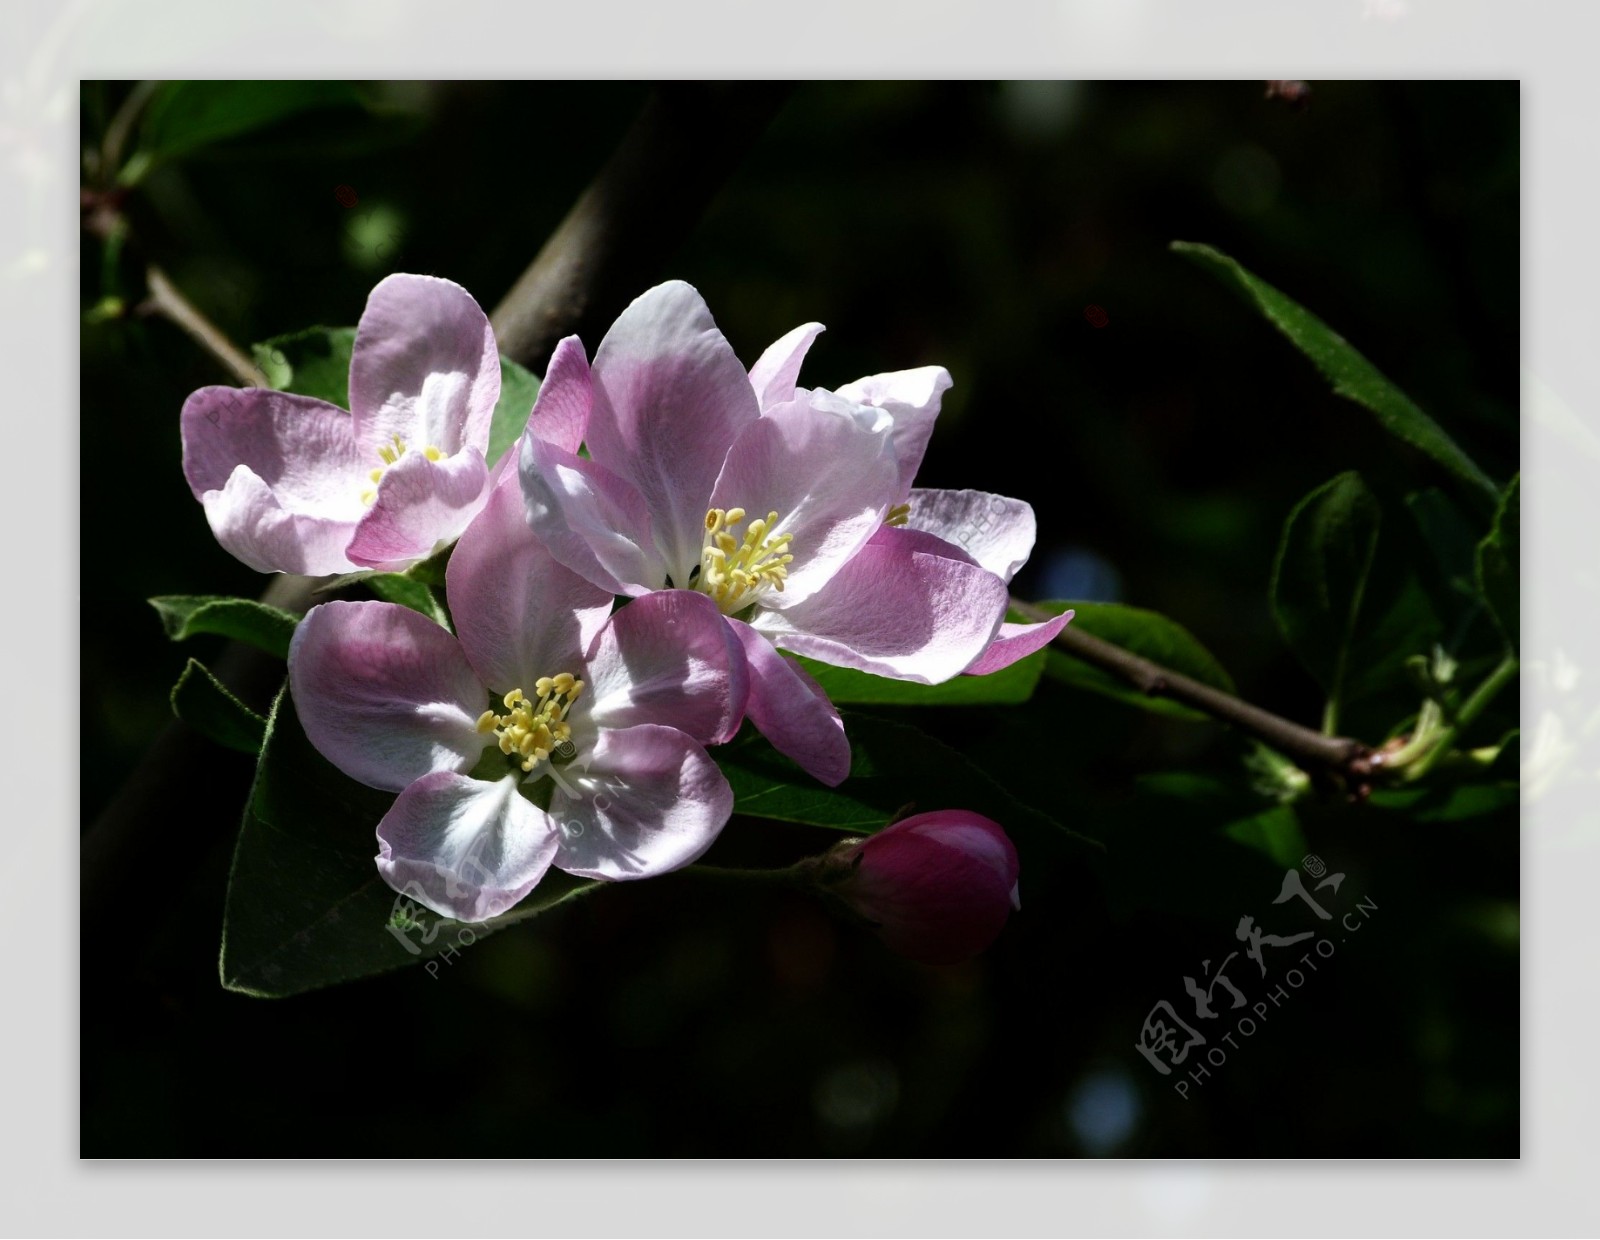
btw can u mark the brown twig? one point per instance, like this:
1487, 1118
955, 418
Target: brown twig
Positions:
683, 146
1340, 755
167, 301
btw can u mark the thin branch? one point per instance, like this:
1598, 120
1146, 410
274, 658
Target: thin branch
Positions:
682, 148
1338, 754
167, 301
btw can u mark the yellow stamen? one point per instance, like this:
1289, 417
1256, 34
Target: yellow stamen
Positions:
898, 515
736, 572
533, 728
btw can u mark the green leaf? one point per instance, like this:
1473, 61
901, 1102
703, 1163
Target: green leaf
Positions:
1324, 559
243, 619
847, 686
408, 592
1145, 633
204, 703
1274, 832
1351, 374
314, 362
183, 117
306, 906
1499, 564
519, 388
892, 765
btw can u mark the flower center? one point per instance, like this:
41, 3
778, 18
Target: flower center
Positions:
736, 572
898, 515
533, 729
389, 454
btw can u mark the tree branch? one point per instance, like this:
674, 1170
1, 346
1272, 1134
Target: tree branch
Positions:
1337, 754
167, 301
685, 143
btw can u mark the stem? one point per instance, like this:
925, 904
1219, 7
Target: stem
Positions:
685, 143
1336, 753
167, 301
1474, 706
789, 876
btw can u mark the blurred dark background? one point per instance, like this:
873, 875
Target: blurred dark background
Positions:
1017, 234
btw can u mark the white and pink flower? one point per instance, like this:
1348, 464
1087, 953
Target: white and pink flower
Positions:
792, 509
547, 732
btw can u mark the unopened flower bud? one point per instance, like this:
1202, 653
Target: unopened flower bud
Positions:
938, 887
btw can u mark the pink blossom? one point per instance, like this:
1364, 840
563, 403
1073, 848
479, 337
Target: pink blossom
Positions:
548, 731
938, 887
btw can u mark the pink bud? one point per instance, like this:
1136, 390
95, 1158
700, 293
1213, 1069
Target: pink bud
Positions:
938, 886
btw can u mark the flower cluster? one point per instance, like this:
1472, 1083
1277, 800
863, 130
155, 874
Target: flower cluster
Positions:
623, 587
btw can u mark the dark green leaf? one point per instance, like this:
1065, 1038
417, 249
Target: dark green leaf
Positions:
519, 388
243, 619
408, 592
1324, 559
184, 116
306, 906
1144, 633
1274, 832
1500, 561
847, 686
892, 765
204, 703
313, 362
1352, 375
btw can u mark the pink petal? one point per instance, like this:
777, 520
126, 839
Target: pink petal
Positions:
774, 374
649, 800
561, 412
995, 531
670, 397
829, 476
424, 368
385, 693
519, 614
250, 523
1017, 641
304, 450
791, 710
593, 521
902, 608
912, 397
466, 848
421, 506
668, 658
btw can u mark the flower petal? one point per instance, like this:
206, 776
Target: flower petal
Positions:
912, 397
670, 396
593, 521
421, 505
561, 411
774, 374
650, 800
519, 614
903, 607
827, 474
1017, 641
385, 693
303, 449
668, 658
424, 368
250, 523
466, 848
791, 710
995, 531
